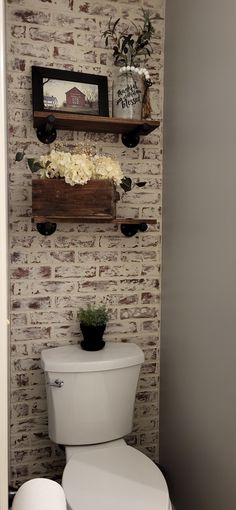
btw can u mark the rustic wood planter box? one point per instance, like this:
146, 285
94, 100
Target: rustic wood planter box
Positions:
54, 200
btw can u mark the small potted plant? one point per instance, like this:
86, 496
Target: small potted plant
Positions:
93, 320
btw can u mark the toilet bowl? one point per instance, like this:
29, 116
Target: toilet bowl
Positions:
113, 478
90, 397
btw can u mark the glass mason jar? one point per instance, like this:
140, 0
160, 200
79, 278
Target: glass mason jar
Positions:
127, 95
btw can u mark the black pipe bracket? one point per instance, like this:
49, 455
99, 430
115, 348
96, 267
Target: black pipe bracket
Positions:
131, 229
46, 229
132, 139
47, 133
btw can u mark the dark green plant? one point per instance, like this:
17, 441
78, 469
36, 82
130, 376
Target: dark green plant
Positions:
132, 45
93, 316
33, 163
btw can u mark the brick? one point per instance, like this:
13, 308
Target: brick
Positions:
63, 53
49, 257
18, 64
92, 257
120, 299
39, 438
148, 409
19, 258
29, 50
19, 319
151, 325
29, 424
20, 380
149, 438
32, 333
20, 287
82, 241
75, 272
146, 425
31, 304
39, 407
150, 298
57, 316
149, 270
102, 9
20, 395
21, 272
137, 284
37, 378
37, 34
118, 241
147, 396
18, 31
124, 270
149, 368
65, 333
29, 16
122, 327
151, 240
137, 312
138, 256
19, 473
19, 349
74, 302
21, 441
21, 365
19, 411
36, 348
52, 287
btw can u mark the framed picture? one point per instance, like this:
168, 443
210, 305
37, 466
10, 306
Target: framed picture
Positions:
69, 92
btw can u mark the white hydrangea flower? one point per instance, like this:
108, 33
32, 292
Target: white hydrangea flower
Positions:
79, 168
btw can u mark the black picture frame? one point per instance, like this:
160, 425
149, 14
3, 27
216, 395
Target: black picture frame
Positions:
96, 86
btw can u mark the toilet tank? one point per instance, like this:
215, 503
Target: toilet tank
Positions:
90, 395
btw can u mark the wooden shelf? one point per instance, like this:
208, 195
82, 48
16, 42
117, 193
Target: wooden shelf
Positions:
73, 121
54, 201
115, 221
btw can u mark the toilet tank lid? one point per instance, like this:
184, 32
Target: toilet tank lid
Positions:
72, 358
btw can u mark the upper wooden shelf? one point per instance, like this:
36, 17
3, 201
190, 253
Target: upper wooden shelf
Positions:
73, 121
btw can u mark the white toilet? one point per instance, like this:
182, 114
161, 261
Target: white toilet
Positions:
90, 399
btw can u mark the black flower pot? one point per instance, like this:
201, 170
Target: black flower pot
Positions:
92, 337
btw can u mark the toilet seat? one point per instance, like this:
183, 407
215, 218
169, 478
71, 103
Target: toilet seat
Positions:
109, 478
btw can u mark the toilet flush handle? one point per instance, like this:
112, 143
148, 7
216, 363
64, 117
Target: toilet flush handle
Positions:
58, 383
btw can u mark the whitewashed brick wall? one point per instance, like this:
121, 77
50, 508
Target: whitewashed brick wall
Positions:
51, 277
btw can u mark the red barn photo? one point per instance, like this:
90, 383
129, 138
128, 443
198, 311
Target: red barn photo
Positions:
74, 97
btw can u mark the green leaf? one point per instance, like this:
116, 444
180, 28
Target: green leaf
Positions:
20, 156
126, 184
33, 164
114, 26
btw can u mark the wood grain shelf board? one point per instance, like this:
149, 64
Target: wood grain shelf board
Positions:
115, 221
95, 123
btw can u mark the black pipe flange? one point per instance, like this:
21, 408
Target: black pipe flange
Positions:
131, 229
47, 132
46, 229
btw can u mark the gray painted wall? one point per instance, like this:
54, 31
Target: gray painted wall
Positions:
198, 344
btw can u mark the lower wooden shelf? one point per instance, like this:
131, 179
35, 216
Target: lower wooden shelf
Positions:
115, 221
54, 201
